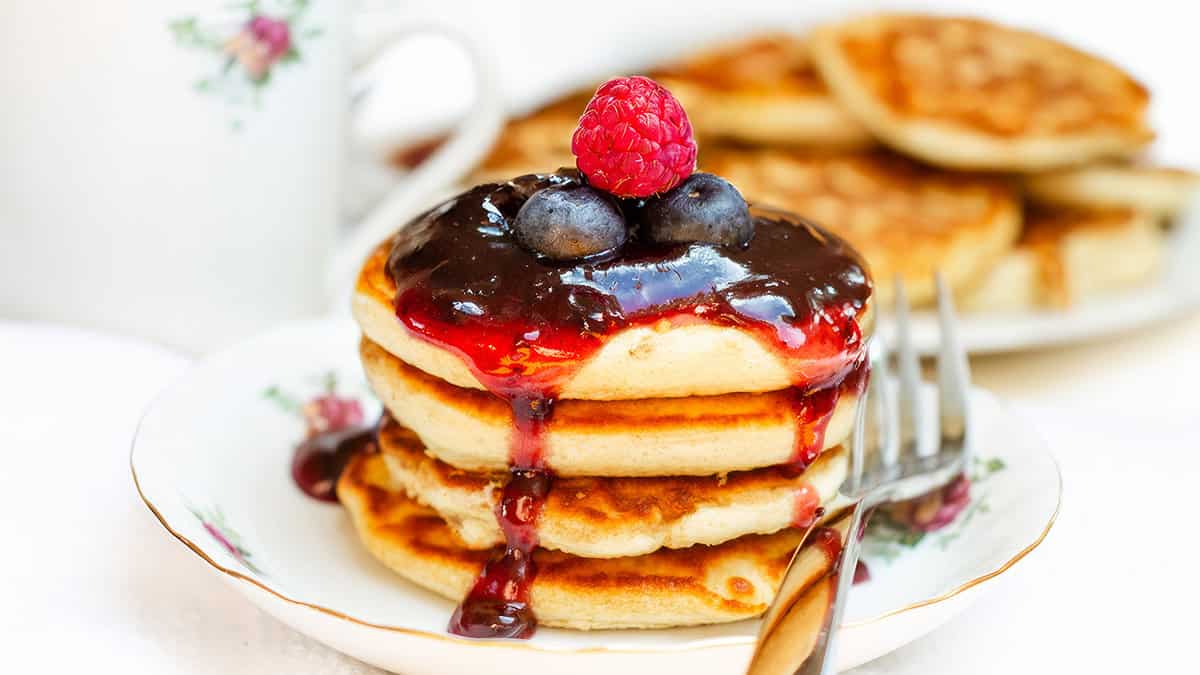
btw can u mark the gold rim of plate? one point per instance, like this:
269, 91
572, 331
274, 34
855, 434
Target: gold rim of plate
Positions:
528, 645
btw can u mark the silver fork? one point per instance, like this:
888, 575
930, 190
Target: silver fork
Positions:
887, 463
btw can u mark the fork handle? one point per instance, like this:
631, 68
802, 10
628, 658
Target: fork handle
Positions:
822, 660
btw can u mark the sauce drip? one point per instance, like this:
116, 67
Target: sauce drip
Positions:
318, 460
829, 541
862, 573
497, 606
525, 327
813, 411
807, 507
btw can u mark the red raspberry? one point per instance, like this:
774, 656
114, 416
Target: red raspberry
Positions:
634, 139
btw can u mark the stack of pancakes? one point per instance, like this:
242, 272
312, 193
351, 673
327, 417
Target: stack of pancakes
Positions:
687, 462
1007, 160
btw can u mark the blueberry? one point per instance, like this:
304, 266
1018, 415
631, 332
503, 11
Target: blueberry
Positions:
702, 208
525, 186
569, 222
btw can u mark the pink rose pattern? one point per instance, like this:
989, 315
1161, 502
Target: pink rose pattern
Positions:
259, 45
933, 511
214, 523
331, 413
324, 412
253, 42
942, 514
327, 411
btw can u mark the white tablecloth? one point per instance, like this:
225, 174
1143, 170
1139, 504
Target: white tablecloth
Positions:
92, 583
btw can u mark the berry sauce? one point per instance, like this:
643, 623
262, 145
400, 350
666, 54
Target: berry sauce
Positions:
862, 574
318, 460
524, 327
807, 506
829, 541
814, 410
497, 606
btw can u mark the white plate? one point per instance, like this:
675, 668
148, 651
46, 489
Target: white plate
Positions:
1175, 292
211, 460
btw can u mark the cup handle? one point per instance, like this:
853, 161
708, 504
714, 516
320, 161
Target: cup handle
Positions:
465, 148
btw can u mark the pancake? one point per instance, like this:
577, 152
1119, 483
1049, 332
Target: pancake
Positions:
471, 429
1066, 256
616, 517
536, 142
907, 220
972, 94
661, 360
1113, 185
693, 319
670, 587
761, 90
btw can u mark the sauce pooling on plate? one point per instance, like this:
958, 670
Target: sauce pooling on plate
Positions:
318, 460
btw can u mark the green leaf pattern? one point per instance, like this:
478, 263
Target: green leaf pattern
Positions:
887, 539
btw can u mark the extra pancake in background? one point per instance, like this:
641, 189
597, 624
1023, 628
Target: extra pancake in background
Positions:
907, 219
534, 143
761, 90
703, 435
1069, 255
972, 94
1162, 191
670, 587
617, 517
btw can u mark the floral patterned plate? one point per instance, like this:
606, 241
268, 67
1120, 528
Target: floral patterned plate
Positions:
212, 455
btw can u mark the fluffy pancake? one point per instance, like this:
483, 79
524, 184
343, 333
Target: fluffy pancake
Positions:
761, 90
670, 587
1065, 256
471, 429
907, 220
1115, 185
665, 359
537, 142
616, 517
968, 93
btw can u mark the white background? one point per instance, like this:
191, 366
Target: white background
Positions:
90, 584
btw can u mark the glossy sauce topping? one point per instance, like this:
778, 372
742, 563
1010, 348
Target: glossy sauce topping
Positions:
524, 327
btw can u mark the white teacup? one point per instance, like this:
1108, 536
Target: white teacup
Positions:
173, 168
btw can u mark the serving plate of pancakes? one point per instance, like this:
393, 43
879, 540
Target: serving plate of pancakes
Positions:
1016, 165
211, 461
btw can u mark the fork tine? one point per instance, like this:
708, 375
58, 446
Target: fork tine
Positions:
954, 379
908, 369
880, 423
859, 443
864, 443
